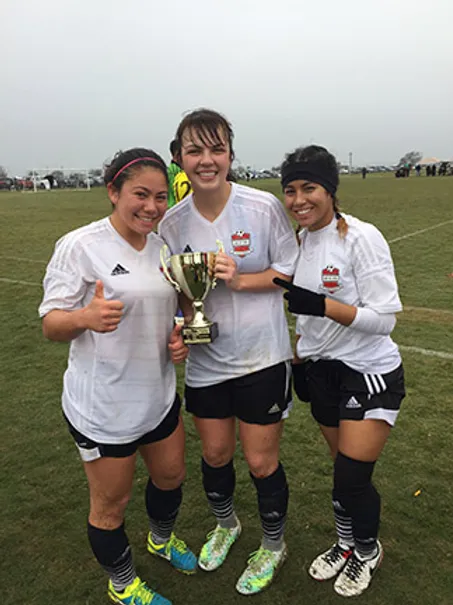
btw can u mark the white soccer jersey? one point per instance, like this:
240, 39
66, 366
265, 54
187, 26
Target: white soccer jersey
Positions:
253, 332
118, 385
356, 270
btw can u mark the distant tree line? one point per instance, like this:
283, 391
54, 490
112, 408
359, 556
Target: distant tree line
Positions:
411, 157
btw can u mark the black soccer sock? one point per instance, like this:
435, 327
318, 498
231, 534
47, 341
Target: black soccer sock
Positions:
162, 507
356, 493
273, 495
219, 483
366, 525
343, 523
111, 549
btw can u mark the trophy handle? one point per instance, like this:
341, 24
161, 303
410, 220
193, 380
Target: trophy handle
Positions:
164, 256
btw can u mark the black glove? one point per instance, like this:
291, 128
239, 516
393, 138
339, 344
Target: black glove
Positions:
302, 301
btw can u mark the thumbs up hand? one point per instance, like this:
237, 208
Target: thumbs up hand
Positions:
102, 315
99, 289
178, 350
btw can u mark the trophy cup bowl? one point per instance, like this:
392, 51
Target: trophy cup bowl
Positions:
192, 273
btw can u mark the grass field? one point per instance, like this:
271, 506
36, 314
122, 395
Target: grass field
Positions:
45, 556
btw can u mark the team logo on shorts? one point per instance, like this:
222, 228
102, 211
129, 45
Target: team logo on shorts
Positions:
330, 279
240, 242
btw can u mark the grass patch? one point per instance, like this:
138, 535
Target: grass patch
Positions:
43, 493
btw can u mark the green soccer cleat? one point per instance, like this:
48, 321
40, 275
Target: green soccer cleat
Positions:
137, 593
217, 547
176, 552
261, 569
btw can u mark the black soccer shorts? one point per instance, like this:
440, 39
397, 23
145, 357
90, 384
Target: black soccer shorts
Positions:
90, 450
337, 392
262, 397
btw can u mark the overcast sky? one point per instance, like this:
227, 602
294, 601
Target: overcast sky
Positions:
81, 79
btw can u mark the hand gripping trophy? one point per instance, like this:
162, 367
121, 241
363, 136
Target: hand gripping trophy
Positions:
193, 274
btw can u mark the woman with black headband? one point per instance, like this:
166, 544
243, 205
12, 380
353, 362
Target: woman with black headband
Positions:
345, 297
105, 294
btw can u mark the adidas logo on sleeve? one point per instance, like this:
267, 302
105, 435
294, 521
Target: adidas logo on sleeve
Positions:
119, 270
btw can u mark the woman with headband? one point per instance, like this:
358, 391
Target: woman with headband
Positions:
347, 366
104, 293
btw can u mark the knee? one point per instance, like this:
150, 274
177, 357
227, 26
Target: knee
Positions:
218, 456
170, 477
107, 510
262, 465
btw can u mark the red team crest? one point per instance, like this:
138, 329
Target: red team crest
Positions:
240, 242
330, 278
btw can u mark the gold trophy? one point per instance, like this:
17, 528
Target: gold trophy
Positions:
193, 274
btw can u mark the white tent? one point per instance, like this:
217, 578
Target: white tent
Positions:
427, 161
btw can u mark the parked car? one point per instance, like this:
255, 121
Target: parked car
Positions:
7, 184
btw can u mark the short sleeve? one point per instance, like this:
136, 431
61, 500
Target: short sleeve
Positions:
374, 272
67, 279
283, 246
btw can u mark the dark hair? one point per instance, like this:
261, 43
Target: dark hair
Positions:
325, 164
174, 147
126, 163
231, 176
206, 123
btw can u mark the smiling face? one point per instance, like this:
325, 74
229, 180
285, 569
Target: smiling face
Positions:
309, 204
139, 204
206, 159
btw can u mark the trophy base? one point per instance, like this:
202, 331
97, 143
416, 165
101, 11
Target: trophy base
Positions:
200, 335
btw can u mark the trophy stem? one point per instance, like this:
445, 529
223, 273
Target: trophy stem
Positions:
199, 318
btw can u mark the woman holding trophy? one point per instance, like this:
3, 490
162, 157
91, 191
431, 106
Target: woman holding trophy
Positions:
104, 293
243, 375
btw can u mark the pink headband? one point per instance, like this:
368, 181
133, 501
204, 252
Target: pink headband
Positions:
145, 159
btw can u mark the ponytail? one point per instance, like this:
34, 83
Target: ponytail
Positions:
342, 225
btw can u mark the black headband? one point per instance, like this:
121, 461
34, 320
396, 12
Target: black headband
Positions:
313, 171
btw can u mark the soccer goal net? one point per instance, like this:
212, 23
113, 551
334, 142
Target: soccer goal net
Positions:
59, 178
